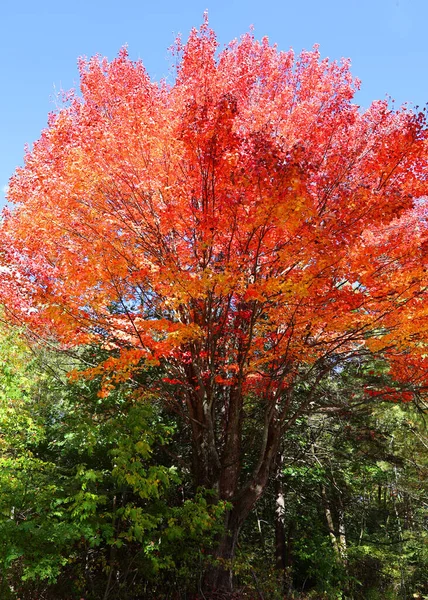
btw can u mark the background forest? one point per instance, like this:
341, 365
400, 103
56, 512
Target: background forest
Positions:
97, 499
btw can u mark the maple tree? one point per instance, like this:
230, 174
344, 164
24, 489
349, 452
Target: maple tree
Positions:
239, 233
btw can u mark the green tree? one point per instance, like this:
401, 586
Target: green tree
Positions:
90, 501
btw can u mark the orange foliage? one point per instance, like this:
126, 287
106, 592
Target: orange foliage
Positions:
245, 220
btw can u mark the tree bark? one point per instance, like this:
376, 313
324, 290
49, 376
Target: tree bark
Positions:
343, 548
280, 540
225, 474
330, 522
219, 576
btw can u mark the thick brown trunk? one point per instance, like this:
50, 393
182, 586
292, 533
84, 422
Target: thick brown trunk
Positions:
231, 457
219, 576
206, 466
218, 452
224, 472
205, 458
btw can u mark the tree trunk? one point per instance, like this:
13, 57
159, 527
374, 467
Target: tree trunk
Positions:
290, 544
221, 470
280, 541
219, 576
338, 541
330, 523
343, 547
282, 544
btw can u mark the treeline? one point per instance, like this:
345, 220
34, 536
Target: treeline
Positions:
97, 499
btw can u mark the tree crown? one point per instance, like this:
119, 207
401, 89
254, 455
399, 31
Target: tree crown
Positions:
247, 219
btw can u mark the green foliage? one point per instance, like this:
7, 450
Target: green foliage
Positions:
89, 498
96, 499
366, 463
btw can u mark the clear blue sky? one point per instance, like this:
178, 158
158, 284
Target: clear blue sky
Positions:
41, 40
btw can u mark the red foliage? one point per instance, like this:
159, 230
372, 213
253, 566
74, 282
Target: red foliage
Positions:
233, 226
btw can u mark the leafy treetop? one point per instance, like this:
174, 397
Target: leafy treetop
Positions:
233, 226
